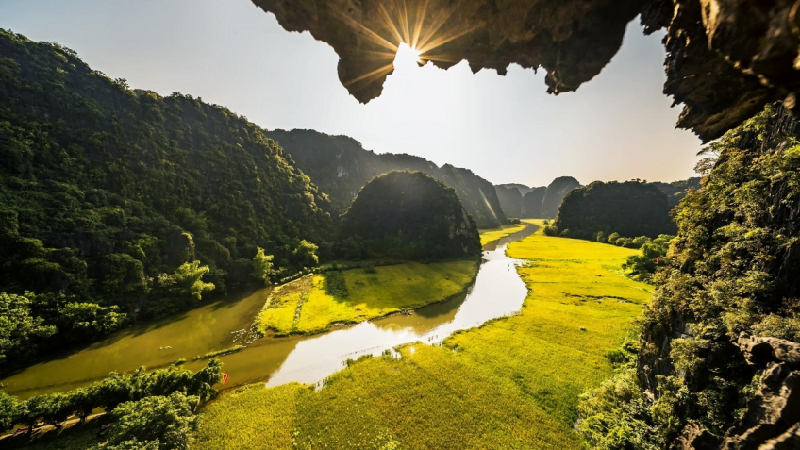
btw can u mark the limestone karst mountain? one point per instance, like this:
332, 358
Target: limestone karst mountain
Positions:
341, 166
410, 215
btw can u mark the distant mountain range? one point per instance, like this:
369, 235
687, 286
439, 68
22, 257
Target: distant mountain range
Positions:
340, 166
518, 200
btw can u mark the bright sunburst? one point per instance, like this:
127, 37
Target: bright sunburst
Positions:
408, 56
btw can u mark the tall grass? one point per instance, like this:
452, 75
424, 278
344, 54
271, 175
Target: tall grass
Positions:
512, 383
495, 234
312, 303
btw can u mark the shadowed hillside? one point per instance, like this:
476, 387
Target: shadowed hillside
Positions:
510, 200
340, 166
111, 198
409, 215
630, 208
555, 192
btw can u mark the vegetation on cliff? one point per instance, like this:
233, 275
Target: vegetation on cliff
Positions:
630, 208
407, 215
677, 189
731, 269
111, 198
340, 167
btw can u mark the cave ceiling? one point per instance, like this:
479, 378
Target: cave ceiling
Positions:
725, 58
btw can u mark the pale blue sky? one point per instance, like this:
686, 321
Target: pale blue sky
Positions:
506, 129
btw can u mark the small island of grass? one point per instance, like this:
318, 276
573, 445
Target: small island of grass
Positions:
312, 303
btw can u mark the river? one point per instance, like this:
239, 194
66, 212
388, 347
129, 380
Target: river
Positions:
497, 291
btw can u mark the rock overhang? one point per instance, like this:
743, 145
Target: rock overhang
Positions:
725, 58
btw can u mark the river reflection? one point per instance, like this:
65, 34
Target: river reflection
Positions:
497, 291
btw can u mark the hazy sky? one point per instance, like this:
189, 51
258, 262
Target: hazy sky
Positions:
506, 129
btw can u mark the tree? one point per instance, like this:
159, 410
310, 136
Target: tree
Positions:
189, 276
653, 253
305, 254
262, 266
169, 421
20, 330
9, 406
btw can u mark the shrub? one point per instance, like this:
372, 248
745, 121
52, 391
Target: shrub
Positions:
612, 238
166, 421
550, 230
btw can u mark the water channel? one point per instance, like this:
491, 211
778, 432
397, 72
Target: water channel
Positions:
497, 291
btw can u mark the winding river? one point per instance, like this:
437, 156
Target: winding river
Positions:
497, 291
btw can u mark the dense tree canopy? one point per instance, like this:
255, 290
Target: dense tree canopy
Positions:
408, 215
106, 193
630, 208
677, 189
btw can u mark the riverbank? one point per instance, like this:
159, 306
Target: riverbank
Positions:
313, 303
490, 235
224, 324
511, 383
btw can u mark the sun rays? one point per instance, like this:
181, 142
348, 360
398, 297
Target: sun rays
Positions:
410, 22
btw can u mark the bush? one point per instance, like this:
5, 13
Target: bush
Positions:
166, 421
653, 256
550, 230
612, 238
624, 242
262, 266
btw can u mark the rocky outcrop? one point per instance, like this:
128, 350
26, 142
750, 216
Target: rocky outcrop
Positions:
572, 39
772, 418
726, 58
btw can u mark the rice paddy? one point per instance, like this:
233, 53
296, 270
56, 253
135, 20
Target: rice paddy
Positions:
512, 383
495, 234
312, 303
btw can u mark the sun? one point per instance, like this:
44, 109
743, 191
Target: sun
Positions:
407, 56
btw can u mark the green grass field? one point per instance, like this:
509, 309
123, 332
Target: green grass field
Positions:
495, 234
312, 303
512, 383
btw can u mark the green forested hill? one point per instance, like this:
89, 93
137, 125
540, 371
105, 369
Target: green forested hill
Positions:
408, 215
340, 166
105, 193
630, 208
